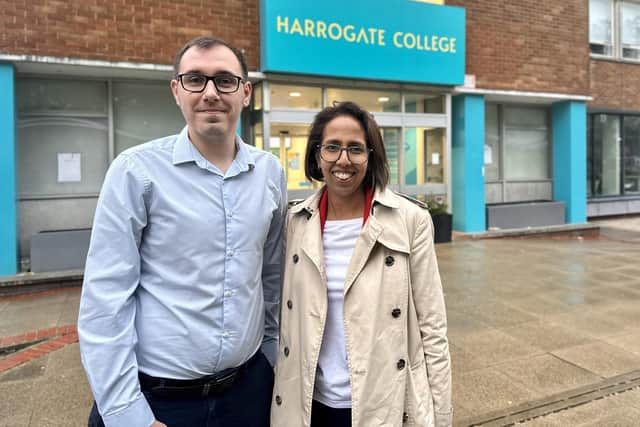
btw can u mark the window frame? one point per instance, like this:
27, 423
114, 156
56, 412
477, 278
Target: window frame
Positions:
621, 141
617, 48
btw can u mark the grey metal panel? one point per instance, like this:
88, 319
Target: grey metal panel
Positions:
613, 207
59, 250
528, 191
522, 215
493, 192
633, 206
53, 214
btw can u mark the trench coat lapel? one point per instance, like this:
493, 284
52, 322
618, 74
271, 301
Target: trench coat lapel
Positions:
311, 244
364, 245
385, 227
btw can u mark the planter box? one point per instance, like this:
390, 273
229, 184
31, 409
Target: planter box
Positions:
442, 223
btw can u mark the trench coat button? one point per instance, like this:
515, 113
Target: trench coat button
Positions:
401, 363
405, 417
389, 261
289, 304
396, 312
286, 351
278, 400
295, 258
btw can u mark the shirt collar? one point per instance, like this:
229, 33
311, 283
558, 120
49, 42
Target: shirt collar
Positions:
184, 151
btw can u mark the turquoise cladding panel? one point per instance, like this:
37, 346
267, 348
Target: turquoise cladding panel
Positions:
8, 224
468, 199
570, 159
396, 40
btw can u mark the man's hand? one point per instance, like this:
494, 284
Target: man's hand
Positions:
158, 424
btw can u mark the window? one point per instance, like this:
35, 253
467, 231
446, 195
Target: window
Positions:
631, 154
413, 126
614, 28
526, 137
613, 155
517, 153
304, 97
371, 100
60, 120
142, 112
630, 30
421, 103
600, 27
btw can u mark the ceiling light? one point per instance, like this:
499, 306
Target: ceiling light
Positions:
383, 99
295, 94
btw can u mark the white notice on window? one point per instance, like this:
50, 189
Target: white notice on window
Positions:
435, 158
69, 166
488, 155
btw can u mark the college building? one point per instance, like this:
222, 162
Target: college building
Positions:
516, 114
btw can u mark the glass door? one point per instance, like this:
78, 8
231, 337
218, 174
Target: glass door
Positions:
288, 142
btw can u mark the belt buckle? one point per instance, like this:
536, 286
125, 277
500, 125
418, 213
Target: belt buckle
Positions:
219, 384
205, 389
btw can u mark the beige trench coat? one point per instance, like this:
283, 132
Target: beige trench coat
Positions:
394, 320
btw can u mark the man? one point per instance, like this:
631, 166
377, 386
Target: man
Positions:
181, 293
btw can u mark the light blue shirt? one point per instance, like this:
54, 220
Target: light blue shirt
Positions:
183, 273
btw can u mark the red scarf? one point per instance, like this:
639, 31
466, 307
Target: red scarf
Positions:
324, 206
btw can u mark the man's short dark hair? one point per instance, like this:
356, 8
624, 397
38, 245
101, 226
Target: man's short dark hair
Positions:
377, 169
207, 42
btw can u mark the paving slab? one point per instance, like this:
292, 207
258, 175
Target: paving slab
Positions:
601, 358
545, 374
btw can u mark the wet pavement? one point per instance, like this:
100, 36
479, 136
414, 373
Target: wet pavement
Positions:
532, 323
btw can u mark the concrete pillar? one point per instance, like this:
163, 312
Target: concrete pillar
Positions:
8, 216
569, 120
467, 166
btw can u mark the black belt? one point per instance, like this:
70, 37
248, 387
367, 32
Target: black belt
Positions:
199, 387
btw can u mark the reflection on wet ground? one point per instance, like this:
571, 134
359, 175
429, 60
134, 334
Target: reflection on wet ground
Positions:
530, 318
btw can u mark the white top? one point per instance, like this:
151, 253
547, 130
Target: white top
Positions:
332, 386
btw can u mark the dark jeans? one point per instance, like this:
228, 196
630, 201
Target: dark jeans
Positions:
325, 416
246, 403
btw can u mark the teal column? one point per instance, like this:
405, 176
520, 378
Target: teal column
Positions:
570, 159
8, 223
467, 165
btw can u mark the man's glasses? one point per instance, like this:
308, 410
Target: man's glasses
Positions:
195, 82
356, 153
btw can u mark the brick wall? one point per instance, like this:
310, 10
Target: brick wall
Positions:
125, 30
528, 45
615, 85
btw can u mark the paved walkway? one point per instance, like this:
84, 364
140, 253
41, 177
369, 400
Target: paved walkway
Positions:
529, 320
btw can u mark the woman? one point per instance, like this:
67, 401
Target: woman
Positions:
363, 324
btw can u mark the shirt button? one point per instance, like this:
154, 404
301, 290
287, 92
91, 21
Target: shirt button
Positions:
396, 312
389, 261
295, 258
278, 400
401, 363
289, 304
230, 214
231, 252
225, 334
228, 294
286, 351
405, 417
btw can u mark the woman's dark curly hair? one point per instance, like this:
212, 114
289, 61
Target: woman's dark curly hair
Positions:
377, 175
